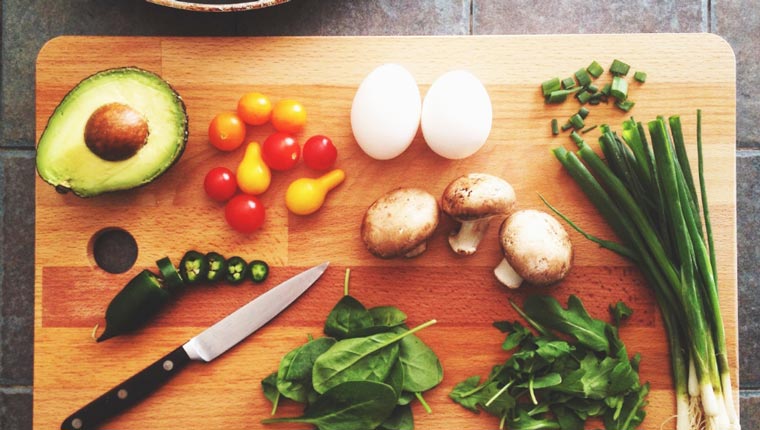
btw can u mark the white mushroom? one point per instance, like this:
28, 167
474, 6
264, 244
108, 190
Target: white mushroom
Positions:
536, 249
399, 223
473, 200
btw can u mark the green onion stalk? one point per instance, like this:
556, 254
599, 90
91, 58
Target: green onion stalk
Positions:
646, 193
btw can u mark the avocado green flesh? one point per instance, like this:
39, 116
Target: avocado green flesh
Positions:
65, 161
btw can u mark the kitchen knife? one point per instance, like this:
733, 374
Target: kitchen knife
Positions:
206, 346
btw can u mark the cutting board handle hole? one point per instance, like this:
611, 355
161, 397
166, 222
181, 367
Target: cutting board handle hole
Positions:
113, 249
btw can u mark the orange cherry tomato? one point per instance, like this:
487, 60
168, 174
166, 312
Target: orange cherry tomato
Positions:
226, 131
288, 116
254, 108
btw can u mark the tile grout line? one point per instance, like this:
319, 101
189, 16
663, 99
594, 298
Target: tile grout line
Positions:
15, 389
472, 16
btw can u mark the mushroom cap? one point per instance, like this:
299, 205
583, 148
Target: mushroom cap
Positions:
399, 222
537, 246
478, 195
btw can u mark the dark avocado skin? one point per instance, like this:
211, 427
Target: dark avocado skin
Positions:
182, 141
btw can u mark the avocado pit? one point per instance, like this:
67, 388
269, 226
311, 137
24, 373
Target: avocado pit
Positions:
115, 132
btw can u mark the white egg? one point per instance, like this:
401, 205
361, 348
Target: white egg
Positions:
385, 113
456, 115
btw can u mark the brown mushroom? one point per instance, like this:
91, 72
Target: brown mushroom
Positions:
473, 200
536, 249
399, 223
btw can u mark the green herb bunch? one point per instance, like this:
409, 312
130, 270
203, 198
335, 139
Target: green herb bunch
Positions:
363, 375
574, 369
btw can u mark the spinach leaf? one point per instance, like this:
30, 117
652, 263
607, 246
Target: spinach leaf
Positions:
396, 379
405, 398
422, 368
401, 419
573, 321
346, 318
348, 406
294, 374
387, 316
269, 386
357, 359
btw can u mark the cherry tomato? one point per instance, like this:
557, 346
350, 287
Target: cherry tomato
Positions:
220, 184
319, 153
280, 151
244, 213
289, 116
254, 108
226, 131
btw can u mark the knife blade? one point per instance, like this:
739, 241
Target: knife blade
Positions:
206, 346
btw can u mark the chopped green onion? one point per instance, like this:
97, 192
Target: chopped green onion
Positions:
568, 83
583, 112
583, 77
595, 69
606, 89
625, 105
640, 76
587, 129
551, 85
619, 88
584, 97
594, 101
567, 126
555, 127
559, 96
592, 89
577, 121
619, 68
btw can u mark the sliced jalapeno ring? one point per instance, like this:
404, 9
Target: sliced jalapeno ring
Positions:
217, 267
193, 267
258, 271
172, 279
236, 270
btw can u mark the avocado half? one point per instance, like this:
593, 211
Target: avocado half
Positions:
117, 129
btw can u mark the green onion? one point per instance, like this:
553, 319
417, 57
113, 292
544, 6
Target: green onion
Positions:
583, 112
551, 85
625, 105
555, 127
606, 89
577, 121
587, 129
568, 83
567, 126
619, 68
583, 97
559, 96
640, 76
592, 88
619, 88
583, 77
648, 197
595, 69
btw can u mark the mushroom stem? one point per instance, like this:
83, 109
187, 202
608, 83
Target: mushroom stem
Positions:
465, 241
507, 275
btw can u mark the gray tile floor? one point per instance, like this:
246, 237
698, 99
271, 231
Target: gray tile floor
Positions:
28, 24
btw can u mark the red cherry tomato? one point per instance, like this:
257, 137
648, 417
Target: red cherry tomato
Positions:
280, 151
319, 153
220, 184
244, 213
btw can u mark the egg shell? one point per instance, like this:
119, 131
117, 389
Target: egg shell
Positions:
385, 113
456, 115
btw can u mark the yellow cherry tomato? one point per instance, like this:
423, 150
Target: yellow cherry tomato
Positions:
254, 108
253, 175
306, 195
289, 116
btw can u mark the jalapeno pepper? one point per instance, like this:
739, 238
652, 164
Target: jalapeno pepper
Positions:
236, 270
217, 267
258, 271
172, 279
194, 267
137, 302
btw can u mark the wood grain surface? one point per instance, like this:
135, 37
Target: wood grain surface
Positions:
172, 215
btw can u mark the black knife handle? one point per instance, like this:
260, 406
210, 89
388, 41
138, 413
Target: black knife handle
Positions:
128, 393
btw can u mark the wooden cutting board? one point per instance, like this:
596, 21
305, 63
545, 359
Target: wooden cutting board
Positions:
172, 215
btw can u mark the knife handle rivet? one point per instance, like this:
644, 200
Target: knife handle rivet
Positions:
168, 365
76, 423
122, 394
